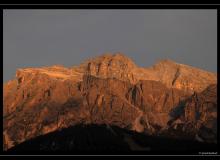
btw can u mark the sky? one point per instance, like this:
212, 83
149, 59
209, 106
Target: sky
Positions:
35, 38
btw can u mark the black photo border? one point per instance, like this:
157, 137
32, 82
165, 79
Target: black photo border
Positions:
109, 6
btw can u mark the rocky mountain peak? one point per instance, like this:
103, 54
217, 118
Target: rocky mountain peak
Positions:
112, 59
181, 76
110, 66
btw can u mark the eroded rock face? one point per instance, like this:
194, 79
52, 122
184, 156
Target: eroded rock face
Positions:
198, 116
201, 109
168, 72
111, 66
39, 106
156, 101
61, 104
179, 76
111, 90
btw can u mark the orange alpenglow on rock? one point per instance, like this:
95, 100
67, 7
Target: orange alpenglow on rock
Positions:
111, 89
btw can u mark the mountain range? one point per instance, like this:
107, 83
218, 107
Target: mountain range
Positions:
169, 99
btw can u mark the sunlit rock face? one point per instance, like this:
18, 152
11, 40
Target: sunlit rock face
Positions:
170, 73
111, 66
168, 98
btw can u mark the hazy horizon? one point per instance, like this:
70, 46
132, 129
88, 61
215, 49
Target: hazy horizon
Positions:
34, 38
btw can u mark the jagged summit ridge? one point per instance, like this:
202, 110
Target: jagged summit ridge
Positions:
111, 66
119, 66
118, 56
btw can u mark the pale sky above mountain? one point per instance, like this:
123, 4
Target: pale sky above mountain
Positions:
34, 38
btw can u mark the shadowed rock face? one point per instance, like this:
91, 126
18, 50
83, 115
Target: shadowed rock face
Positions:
167, 99
196, 117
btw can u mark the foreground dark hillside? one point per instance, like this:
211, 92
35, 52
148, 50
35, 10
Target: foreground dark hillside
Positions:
108, 138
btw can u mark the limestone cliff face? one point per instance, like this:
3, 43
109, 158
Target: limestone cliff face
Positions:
168, 72
61, 104
35, 106
106, 102
34, 85
155, 97
200, 104
111, 90
197, 116
179, 76
201, 109
156, 101
111, 66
